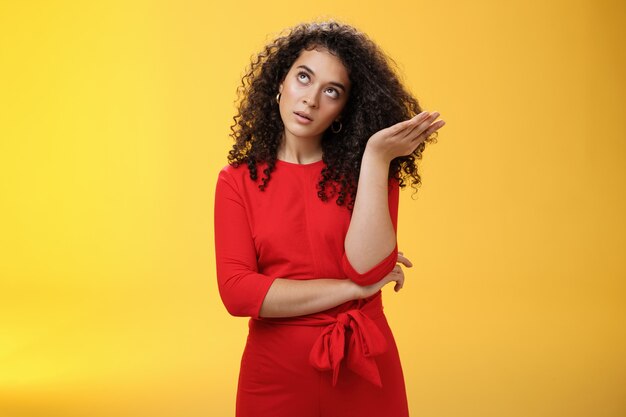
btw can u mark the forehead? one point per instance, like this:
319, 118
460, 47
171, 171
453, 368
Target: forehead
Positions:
323, 64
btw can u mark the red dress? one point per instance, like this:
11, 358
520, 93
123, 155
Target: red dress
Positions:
340, 362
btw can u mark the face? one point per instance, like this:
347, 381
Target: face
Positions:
313, 94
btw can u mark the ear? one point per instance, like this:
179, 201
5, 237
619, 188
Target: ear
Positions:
280, 87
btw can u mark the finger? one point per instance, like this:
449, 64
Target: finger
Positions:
418, 118
427, 124
392, 276
415, 122
399, 283
433, 128
404, 261
402, 129
421, 125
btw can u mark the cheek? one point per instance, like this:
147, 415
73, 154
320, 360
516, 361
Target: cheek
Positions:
292, 90
334, 109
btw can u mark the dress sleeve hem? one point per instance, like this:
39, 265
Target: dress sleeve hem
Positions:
262, 291
374, 274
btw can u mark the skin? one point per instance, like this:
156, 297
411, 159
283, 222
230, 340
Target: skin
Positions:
318, 86
367, 242
314, 90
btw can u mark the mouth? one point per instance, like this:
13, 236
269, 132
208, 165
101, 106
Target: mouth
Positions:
303, 115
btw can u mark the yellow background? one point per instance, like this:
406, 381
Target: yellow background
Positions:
114, 122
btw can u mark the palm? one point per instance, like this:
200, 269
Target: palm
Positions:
403, 138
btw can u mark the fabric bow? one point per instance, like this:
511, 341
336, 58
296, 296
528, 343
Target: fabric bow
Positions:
365, 341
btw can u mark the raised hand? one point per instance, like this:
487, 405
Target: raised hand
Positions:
403, 138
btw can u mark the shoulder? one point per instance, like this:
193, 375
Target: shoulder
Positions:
231, 177
238, 176
232, 172
242, 169
231, 183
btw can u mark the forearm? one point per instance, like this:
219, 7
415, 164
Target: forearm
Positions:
288, 297
371, 236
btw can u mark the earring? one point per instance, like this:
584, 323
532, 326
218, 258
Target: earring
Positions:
278, 98
332, 126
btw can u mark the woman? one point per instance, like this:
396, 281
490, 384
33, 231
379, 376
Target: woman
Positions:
298, 249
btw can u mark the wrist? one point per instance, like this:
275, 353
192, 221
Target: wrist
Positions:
354, 290
376, 156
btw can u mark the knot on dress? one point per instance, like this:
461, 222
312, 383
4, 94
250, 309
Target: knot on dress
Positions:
364, 341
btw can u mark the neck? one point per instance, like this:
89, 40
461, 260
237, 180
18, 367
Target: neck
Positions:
299, 150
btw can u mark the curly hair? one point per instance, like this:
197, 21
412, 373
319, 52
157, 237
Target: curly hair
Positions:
377, 100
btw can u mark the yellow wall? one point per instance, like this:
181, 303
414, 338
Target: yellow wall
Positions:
114, 119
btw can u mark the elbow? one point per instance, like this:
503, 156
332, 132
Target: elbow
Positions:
236, 311
375, 273
234, 307
243, 294
235, 303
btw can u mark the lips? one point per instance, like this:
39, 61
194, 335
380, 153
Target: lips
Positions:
303, 114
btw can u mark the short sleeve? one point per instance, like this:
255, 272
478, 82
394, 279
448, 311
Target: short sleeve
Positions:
242, 288
378, 271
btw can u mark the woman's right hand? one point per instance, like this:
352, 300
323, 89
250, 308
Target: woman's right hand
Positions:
396, 275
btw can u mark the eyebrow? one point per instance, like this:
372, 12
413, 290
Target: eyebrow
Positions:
336, 84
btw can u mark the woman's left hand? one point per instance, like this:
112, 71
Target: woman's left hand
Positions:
403, 138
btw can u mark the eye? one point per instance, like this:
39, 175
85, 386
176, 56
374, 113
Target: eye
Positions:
332, 92
303, 77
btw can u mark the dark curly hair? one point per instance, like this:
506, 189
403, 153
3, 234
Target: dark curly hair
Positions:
377, 100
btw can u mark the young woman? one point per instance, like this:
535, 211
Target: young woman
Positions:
306, 220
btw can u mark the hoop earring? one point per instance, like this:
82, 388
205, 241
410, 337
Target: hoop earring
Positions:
336, 130
278, 98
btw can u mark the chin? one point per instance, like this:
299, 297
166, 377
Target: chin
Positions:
304, 133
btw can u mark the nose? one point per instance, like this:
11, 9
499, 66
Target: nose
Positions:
310, 100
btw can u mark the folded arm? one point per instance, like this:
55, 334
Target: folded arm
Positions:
288, 297
244, 290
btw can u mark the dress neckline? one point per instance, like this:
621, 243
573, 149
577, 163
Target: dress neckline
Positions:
310, 164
